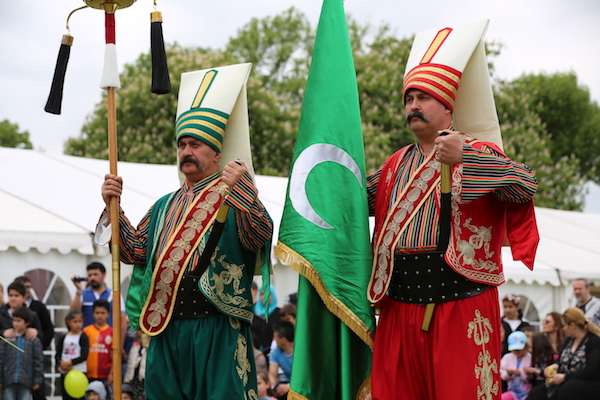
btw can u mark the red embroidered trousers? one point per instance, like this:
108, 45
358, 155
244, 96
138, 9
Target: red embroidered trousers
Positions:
458, 358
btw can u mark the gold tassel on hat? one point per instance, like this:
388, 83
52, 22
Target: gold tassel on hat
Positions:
161, 84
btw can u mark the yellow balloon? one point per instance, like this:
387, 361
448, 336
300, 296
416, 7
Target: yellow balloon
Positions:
76, 383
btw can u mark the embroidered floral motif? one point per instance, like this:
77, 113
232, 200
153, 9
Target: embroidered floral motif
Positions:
398, 218
183, 244
221, 188
163, 287
165, 282
479, 329
231, 276
389, 176
172, 265
467, 249
241, 355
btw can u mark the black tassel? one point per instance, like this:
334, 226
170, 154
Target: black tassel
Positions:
161, 84
53, 105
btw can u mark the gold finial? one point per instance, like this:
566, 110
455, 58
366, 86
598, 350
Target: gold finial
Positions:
109, 5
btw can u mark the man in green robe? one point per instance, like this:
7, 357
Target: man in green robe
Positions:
199, 321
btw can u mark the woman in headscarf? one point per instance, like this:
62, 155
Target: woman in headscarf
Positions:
262, 329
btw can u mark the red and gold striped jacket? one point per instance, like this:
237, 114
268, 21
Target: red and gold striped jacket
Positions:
491, 202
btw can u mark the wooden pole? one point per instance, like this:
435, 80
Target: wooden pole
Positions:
115, 248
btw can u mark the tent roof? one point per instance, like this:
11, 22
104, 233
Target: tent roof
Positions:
53, 201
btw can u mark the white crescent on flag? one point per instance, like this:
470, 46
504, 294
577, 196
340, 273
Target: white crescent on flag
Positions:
309, 158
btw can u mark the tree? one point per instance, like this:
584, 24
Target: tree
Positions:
145, 127
380, 69
146, 122
11, 137
560, 184
570, 118
280, 49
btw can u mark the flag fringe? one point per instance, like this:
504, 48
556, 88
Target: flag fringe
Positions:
364, 392
334, 305
295, 396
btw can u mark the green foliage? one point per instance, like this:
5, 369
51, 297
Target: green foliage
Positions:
570, 118
380, 71
11, 137
547, 121
145, 122
525, 139
280, 50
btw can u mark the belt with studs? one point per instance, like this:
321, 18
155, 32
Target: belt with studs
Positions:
424, 278
190, 302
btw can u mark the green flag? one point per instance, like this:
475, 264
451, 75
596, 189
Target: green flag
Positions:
324, 232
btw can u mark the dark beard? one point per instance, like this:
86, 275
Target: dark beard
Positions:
95, 285
191, 159
414, 114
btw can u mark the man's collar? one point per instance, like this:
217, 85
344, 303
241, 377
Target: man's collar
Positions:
200, 185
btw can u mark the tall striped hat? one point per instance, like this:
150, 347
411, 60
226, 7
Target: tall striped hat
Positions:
212, 106
450, 65
206, 100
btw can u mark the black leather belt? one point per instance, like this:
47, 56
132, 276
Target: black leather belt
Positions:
190, 301
424, 278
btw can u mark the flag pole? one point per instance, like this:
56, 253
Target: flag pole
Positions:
115, 248
110, 82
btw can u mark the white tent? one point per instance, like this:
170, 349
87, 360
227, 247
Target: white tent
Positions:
51, 203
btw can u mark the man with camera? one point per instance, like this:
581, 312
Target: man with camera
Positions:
96, 289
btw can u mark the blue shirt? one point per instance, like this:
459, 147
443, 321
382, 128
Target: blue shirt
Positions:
284, 361
88, 297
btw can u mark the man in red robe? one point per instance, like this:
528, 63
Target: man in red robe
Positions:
437, 246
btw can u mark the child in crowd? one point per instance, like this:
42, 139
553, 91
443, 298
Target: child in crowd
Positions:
16, 299
512, 367
99, 360
72, 349
21, 359
280, 365
542, 355
264, 386
127, 392
288, 313
95, 391
136, 365
513, 317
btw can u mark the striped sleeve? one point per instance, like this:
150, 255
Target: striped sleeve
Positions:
253, 220
485, 171
132, 240
372, 181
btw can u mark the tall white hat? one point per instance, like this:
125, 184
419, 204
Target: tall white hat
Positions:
450, 64
213, 107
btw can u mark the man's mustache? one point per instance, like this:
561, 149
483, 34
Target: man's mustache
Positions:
418, 114
190, 159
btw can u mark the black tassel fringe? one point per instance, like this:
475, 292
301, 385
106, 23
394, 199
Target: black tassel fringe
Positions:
53, 105
161, 84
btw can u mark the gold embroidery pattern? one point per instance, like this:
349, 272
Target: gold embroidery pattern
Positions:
241, 355
232, 275
233, 306
391, 229
167, 276
479, 329
464, 253
251, 395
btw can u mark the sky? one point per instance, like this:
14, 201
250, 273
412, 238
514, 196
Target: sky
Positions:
538, 36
